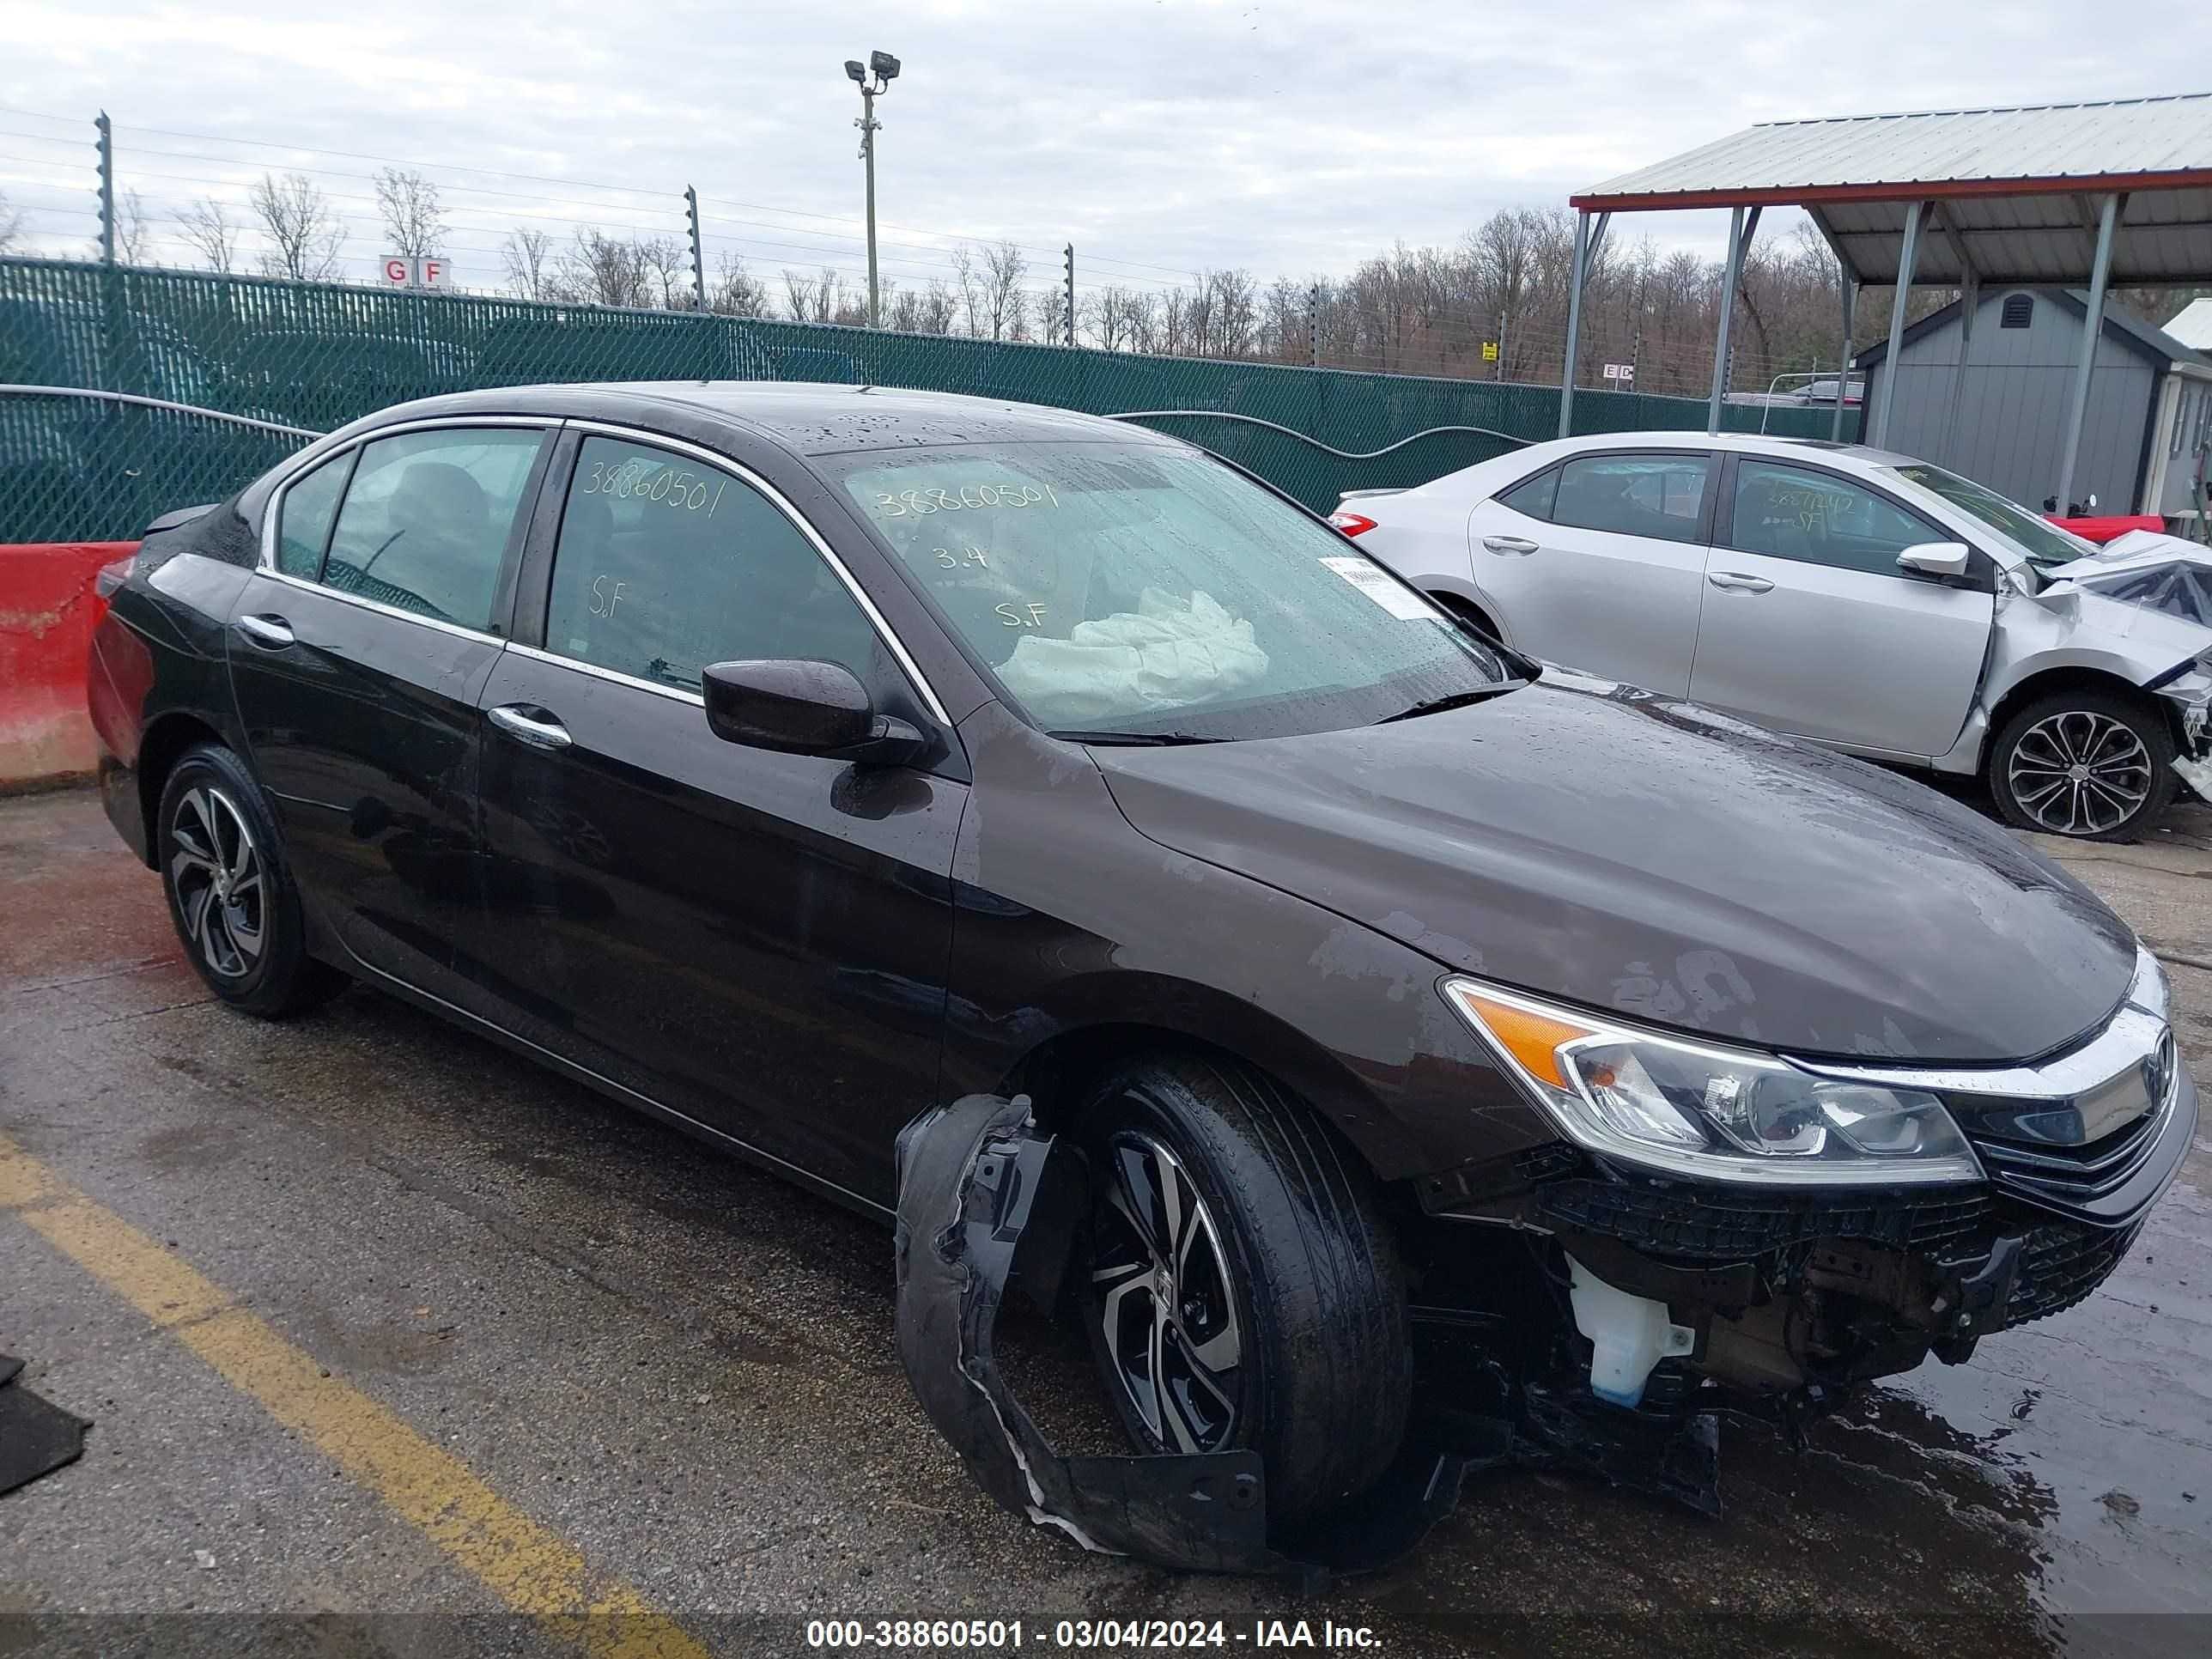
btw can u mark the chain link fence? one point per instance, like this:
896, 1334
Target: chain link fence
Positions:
291, 358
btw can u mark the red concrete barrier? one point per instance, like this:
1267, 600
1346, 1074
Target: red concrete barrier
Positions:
2101, 530
48, 608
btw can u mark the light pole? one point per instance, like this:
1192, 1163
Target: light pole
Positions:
886, 69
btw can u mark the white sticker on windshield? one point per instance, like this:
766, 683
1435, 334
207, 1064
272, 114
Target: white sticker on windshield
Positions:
1394, 597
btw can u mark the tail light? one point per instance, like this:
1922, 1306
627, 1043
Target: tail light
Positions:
113, 576
1352, 524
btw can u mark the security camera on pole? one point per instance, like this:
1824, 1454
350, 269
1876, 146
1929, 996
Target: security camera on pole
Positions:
885, 68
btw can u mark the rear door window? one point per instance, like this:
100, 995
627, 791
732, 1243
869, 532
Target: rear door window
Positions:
665, 565
1791, 512
1660, 496
427, 519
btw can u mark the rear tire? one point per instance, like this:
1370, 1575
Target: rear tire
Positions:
2093, 765
231, 894
1259, 1301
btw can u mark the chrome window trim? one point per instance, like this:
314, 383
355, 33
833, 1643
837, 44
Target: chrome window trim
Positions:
613, 676
311, 458
383, 610
776, 499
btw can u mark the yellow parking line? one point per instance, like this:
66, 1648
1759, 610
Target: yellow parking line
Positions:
532, 1570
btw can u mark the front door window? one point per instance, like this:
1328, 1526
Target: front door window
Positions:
665, 566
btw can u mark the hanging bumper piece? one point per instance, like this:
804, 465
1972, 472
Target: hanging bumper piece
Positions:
988, 1205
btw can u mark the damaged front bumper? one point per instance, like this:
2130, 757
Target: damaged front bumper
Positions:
1783, 1299
2188, 686
990, 1207
1597, 1325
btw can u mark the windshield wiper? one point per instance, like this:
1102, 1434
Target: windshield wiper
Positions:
1151, 740
1457, 700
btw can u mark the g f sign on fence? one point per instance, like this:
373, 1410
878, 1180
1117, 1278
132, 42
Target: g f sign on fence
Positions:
414, 272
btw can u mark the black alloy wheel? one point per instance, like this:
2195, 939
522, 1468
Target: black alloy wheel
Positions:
1242, 1290
220, 889
231, 894
1167, 1314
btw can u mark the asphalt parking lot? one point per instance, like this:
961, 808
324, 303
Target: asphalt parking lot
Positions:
396, 1346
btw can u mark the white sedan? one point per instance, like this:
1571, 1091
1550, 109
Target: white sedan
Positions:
1865, 600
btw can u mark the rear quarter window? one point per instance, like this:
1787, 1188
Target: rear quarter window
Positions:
1534, 496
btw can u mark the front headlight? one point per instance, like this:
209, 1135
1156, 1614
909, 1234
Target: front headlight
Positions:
1708, 1112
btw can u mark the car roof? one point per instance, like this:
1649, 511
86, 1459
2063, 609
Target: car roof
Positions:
808, 417
1755, 443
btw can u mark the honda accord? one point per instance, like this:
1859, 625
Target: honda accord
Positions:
785, 760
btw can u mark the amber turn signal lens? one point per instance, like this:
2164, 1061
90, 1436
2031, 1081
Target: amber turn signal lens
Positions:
1531, 1039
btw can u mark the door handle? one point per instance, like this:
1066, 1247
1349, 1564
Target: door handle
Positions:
1508, 544
272, 632
1736, 582
526, 723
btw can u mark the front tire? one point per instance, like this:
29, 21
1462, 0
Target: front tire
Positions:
231, 894
2093, 765
1243, 1290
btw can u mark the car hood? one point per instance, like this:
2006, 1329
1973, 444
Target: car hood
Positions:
2153, 572
1604, 845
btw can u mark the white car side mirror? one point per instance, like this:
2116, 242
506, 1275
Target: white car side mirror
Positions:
1934, 558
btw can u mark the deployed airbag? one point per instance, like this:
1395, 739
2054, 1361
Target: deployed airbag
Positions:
1167, 653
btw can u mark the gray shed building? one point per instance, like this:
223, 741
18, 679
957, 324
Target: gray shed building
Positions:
2002, 423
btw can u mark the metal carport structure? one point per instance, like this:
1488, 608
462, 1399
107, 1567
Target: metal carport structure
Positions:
2081, 195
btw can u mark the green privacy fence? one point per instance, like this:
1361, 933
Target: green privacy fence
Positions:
314, 356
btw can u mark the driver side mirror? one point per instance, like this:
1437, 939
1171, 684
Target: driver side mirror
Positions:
794, 706
1934, 558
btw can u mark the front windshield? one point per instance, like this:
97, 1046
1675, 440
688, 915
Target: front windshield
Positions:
2035, 535
1139, 590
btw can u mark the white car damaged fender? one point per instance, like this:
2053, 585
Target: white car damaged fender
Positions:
2080, 622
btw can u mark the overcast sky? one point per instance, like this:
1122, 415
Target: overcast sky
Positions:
1159, 136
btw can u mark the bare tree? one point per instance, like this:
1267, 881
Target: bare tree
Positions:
528, 257
414, 221
134, 240
1235, 310
1003, 270
668, 262
737, 292
992, 302
971, 280
851, 310
208, 226
922, 310
813, 298
12, 224
939, 309
1106, 316
304, 233
596, 269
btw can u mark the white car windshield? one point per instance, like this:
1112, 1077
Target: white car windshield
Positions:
1141, 592
2033, 534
